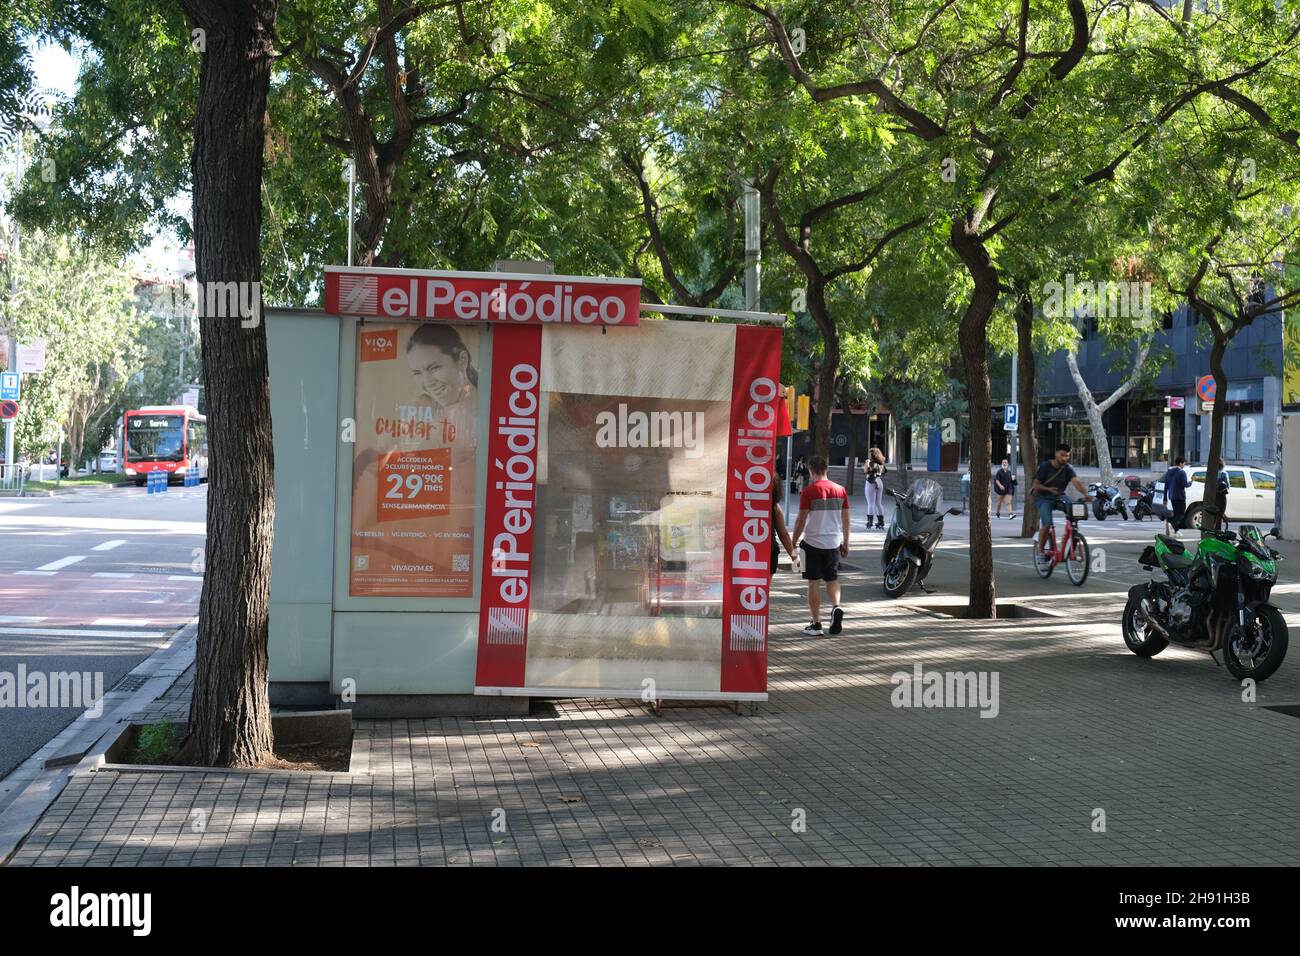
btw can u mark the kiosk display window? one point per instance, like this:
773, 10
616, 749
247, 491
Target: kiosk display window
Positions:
614, 464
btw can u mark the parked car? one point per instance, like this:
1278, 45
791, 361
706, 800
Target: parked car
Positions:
108, 461
1252, 494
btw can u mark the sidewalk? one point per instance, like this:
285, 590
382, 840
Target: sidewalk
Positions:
1185, 772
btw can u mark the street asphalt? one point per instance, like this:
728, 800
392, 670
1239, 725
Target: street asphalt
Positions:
91, 582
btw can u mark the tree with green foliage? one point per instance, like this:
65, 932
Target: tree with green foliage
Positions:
1019, 108
80, 301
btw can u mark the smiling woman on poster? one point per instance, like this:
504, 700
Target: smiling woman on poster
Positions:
413, 472
442, 369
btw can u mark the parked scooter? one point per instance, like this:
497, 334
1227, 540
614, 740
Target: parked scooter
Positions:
1215, 597
1106, 500
914, 530
1151, 503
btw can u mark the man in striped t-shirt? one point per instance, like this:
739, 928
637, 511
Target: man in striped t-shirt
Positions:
824, 524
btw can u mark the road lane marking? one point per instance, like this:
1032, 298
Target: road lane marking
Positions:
19, 619
62, 563
184, 577
20, 522
47, 574
109, 545
75, 632
113, 574
119, 622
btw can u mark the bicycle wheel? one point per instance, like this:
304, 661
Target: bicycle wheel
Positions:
1076, 562
1045, 563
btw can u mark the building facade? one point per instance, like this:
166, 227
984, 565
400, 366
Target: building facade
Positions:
1145, 427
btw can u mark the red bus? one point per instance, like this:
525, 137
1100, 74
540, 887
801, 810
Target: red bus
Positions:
170, 438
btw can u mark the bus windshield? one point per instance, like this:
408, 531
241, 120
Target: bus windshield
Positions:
155, 438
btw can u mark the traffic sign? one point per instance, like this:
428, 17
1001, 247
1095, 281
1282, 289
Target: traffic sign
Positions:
11, 385
1012, 419
1175, 403
1206, 388
1008, 427
8, 409
31, 356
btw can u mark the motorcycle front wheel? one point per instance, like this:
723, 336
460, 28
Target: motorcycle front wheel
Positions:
899, 576
1099, 509
1258, 654
1140, 636
1076, 562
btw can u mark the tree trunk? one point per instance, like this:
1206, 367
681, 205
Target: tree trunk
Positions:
973, 340
849, 472
1095, 424
230, 714
1025, 397
1209, 495
76, 438
1095, 410
824, 400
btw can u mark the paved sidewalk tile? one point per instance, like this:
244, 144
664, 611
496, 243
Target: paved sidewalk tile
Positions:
828, 771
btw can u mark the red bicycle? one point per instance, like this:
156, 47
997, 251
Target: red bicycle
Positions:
1073, 548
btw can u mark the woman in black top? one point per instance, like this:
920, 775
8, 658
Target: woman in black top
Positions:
874, 471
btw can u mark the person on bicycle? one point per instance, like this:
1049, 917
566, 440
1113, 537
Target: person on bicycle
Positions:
1050, 482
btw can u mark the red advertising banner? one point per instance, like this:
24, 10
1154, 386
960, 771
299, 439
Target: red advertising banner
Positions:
755, 394
482, 297
509, 514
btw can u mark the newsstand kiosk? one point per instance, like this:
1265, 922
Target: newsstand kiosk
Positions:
494, 486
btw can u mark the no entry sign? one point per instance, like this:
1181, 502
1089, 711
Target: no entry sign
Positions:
8, 410
482, 297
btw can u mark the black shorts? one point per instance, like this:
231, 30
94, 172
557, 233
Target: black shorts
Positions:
820, 564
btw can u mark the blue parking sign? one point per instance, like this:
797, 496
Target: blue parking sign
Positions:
11, 386
1013, 415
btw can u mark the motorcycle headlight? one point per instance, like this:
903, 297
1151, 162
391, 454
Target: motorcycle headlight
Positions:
1257, 572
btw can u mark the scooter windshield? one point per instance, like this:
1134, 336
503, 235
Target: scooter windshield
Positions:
926, 494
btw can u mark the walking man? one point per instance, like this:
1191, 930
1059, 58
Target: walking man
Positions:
823, 526
1221, 497
1004, 486
1176, 485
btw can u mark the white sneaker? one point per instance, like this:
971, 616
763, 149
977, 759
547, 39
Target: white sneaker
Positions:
814, 629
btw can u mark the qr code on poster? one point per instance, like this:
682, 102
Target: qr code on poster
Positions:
460, 562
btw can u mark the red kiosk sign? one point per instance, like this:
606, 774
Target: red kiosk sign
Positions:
482, 297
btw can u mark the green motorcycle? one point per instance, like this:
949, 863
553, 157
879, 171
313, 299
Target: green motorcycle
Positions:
1215, 599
